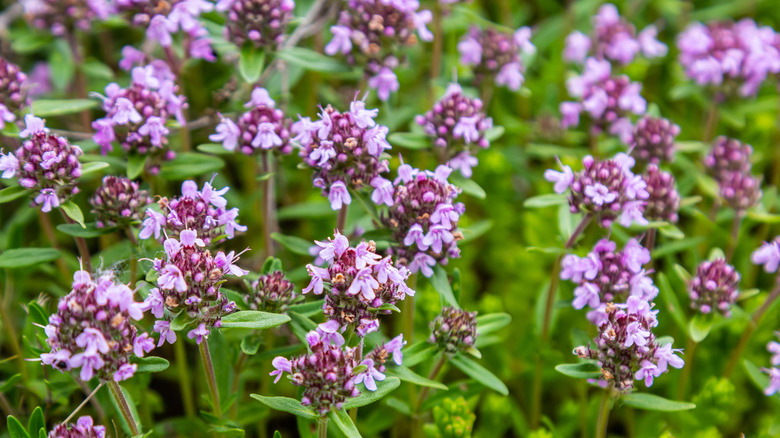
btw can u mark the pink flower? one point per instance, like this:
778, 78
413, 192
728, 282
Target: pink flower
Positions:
199, 333
383, 191
577, 47
47, 199
338, 195
33, 126
341, 42
384, 82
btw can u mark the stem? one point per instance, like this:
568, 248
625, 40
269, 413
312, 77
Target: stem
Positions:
80, 81
734, 235
603, 419
752, 326
341, 223
711, 123
86, 400
322, 428
431, 376
48, 229
690, 351
124, 407
269, 203
185, 384
9, 324
242, 358
133, 257
211, 378
81, 244
438, 43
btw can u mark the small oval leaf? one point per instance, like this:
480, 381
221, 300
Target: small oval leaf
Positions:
286, 404
652, 402
253, 319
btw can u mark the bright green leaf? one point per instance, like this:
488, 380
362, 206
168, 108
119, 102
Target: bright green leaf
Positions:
250, 63
584, 370
548, 200
480, 374
49, 108
190, 164
409, 140
8, 194
407, 375
286, 404
367, 397
492, 322
22, 257
345, 424
652, 402
150, 364
15, 428
253, 319
73, 211
441, 283
311, 60
699, 327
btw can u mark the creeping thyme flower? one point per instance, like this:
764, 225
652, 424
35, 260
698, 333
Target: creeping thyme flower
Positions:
496, 56
607, 99
271, 293
60, 17
382, 353
262, 128
118, 202
733, 58
13, 92
263, 22
714, 287
664, 200
373, 35
46, 163
326, 375
344, 149
652, 140
457, 124
136, 116
92, 331
189, 280
768, 255
613, 38
728, 155
774, 372
626, 348
740, 190
423, 217
357, 283
203, 211
607, 275
606, 189
454, 330
84, 428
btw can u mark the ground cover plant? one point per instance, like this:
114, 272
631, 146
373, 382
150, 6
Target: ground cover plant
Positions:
423, 218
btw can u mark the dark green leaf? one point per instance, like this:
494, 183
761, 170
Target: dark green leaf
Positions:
407, 375
652, 402
545, 201
89, 230
190, 164
150, 364
15, 428
37, 314
8, 194
311, 60
343, 421
181, 322
8, 384
409, 140
480, 374
36, 422
253, 319
585, 370
441, 284
48, 108
367, 397
22, 257
250, 63
95, 69
293, 243
93, 167
73, 211
492, 322
419, 352
286, 404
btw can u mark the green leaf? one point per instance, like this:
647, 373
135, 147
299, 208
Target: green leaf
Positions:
480, 374
89, 230
180, 322
672, 304
190, 164
494, 133
683, 273
419, 352
250, 344
286, 404
214, 148
409, 140
441, 284
8, 384
468, 186
48, 108
36, 422
311, 60
37, 314
671, 231
15, 428
8, 194
73, 211
293, 243
492, 322
93, 167
367, 397
23, 257
699, 327
135, 165
584, 370
95, 69
407, 375
304, 210
250, 63
253, 319
343, 421
652, 402
548, 200
150, 364
760, 379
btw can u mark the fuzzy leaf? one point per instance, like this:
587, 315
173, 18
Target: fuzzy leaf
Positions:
584, 370
652, 402
441, 283
286, 404
73, 211
253, 319
345, 424
367, 397
23, 257
480, 374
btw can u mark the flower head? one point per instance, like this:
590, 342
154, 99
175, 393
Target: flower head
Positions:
496, 55
454, 330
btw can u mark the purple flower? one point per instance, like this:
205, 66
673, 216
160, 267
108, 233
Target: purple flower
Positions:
364, 283
333, 248
227, 134
125, 372
416, 235
394, 347
199, 333
562, 179
172, 278
160, 30
47, 199
152, 225
511, 76
424, 263
376, 140
768, 255
226, 263
774, 381
89, 363
436, 237
143, 344
33, 125
383, 191
646, 372
587, 294
338, 195
125, 112
362, 117
651, 47
166, 334
636, 335
384, 82
466, 128
341, 42
577, 47
774, 348
282, 365
369, 376
155, 129
318, 275
464, 163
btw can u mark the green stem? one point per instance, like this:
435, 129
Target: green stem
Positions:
9, 324
185, 384
690, 351
752, 326
322, 428
48, 229
734, 235
431, 376
82, 246
341, 222
603, 418
269, 202
242, 358
211, 378
124, 407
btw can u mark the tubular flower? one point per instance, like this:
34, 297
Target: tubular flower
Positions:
714, 287
262, 23
271, 293
496, 56
118, 202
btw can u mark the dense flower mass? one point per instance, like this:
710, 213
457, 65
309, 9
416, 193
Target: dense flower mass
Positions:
729, 163
136, 116
61, 17
118, 202
357, 282
344, 149
422, 215
374, 33
84, 428
457, 124
262, 128
261, 22
734, 58
774, 372
189, 279
203, 211
652, 140
496, 56
91, 329
714, 288
664, 200
13, 92
606, 189
454, 330
45, 163
613, 38
271, 292
626, 348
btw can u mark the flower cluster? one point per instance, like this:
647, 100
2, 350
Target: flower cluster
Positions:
373, 34
422, 216
729, 163
664, 200
774, 372
734, 58
262, 128
714, 287
13, 97
271, 293
189, 280
118, 202
84, 428
613, 38
46, 163
454, 330
607, 99
136, 116
204, 212
606, 275
652, 140
162, 19
61, 17
92, 331
344, 149
357, 282
626, 348
262, 22
606, 189
374, 362
496, 56
457, 123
